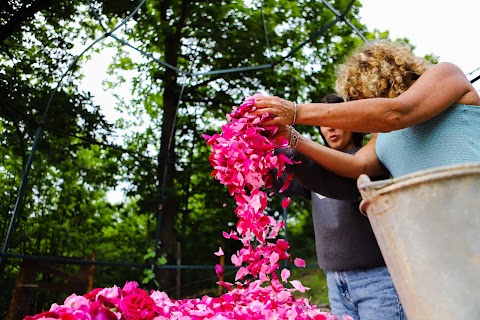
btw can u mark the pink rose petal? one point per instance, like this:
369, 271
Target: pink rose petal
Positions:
299, 286
285, 202
219, 252
285, 275
219, 270
299, 263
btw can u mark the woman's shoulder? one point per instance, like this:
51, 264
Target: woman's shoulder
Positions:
444, 74
445, 68
452, 75
448, 70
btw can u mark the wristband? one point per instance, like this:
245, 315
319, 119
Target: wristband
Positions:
294, 114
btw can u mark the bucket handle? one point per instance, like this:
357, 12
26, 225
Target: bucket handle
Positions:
367, 190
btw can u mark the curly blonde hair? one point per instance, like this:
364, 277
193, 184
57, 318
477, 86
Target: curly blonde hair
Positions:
379, 69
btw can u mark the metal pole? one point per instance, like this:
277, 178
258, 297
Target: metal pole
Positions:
179, 271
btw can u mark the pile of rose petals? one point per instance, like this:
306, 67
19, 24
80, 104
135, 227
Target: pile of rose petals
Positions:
243, 158
132, 303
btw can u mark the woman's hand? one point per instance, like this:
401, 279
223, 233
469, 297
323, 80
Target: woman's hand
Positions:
281, 110
287, 133
282, 136
283, 131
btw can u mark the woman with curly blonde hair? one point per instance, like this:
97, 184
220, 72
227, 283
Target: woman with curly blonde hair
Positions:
381, 69
417, 112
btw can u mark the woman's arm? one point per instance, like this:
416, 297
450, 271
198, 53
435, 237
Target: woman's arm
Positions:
438, 88
344, 164
317, 179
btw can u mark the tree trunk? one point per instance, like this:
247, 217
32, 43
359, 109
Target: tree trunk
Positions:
166, 166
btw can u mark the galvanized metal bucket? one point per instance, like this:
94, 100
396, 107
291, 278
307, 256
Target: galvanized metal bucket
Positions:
427, 225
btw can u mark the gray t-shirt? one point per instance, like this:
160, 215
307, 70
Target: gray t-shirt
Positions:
343, 236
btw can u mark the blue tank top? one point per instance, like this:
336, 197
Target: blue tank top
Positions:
452, 137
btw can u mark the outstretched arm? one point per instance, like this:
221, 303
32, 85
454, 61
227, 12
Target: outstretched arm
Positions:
437, 89
365, 161
347, 165
317, 179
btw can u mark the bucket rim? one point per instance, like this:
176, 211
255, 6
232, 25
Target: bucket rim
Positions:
435, 173
373, 189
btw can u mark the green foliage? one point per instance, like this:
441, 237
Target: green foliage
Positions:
316, 280
150, 273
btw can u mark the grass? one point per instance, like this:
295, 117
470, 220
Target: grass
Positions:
314, 279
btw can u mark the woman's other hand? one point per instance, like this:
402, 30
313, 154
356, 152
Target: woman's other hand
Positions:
283, 132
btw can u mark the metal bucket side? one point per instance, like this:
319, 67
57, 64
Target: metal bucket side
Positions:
428, 228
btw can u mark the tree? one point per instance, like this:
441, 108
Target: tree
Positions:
50, 126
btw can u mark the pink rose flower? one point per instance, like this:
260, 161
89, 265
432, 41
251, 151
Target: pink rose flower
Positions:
138, 306
47, 315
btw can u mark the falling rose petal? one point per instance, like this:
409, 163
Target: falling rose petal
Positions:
299, 286
236, 260
299, 263
219, 270
242, 272
285, 186
286, 183
274, 257
285, 202
219, 252
227, 285
285, 275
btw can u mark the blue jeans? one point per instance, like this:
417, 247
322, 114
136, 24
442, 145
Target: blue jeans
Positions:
366, 294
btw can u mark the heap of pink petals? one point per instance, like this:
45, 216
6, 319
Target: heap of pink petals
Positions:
132, 303
243, 158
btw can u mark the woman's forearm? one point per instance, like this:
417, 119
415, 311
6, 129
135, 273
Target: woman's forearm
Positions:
371, 115
340, 163
437, 89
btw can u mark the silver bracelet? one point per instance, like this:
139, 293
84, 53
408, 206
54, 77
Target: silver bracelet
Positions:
294, 113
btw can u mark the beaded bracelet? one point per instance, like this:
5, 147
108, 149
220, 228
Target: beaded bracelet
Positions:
294, 113
294, 137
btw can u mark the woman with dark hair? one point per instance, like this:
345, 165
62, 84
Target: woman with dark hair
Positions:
359, 283
357, 137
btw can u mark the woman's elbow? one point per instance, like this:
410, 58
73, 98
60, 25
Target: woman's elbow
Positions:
356, 170
393, 120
